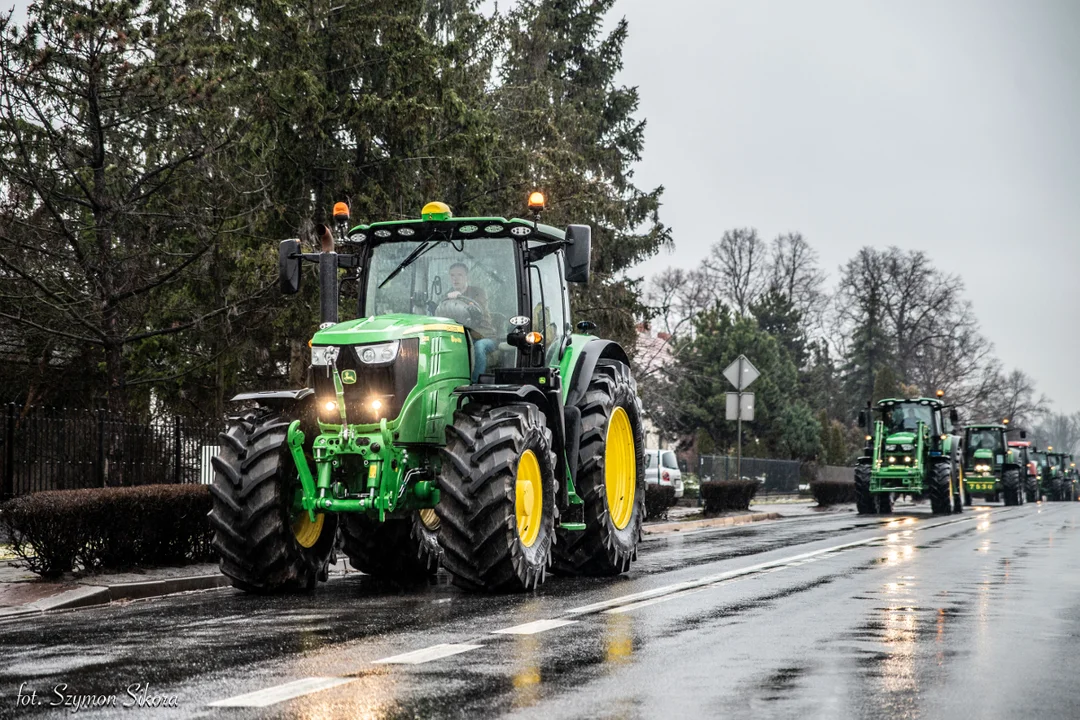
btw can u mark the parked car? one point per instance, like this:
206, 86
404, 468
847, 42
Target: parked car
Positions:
661, 468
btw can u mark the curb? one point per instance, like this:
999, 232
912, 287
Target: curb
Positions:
89, 595
674, 527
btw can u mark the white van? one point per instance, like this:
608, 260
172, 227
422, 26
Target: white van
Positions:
661, 468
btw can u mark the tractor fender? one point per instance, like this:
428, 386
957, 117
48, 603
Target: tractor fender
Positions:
502, 393
588, 356
276, 398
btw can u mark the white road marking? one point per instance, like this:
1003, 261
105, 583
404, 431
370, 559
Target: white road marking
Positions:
281, 693
435, 652
769, 565
653, 601
531, 628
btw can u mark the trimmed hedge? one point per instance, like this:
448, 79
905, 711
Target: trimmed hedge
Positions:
58, 531
833, 492
658, 498
721, 495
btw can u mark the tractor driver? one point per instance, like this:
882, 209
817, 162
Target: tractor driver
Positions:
903, 417
483, 331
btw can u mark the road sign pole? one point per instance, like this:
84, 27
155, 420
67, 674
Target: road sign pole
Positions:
738, 457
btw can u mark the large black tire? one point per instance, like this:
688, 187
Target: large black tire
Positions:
940, 498
252, 515
1010, 487
884, 503
967, 499
478, 532
959, 492
1053, 492
602, 548
864, 499
1031, 489
402, 550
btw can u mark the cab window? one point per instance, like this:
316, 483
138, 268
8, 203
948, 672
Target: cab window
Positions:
549, 313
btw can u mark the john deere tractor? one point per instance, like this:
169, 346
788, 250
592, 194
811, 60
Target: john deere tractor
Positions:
909, 449
457, 420
1060, 472
992, 469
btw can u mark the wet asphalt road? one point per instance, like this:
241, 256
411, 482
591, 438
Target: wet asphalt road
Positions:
904, 616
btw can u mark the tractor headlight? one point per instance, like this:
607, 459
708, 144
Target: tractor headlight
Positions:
324, 354
378, 354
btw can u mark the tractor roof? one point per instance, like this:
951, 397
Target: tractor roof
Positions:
467, 228
986, 426
889, 402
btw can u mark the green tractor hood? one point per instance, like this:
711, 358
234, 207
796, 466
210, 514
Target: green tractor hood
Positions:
900, 438
983, 454
384, 328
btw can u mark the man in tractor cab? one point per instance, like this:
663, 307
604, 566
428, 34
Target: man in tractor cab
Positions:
481, 328
905, 417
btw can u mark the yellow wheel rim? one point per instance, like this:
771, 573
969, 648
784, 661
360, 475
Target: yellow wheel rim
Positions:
620, 468
429, 519
307, 533
529, 504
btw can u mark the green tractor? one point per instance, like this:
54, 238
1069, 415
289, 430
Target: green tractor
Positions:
910, 449
992, 469
1061, 472
457, 421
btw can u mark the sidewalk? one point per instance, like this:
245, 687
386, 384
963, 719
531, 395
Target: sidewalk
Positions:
23, 593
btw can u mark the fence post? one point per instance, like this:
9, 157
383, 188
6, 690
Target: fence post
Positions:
101, 479
9, 455
176, 449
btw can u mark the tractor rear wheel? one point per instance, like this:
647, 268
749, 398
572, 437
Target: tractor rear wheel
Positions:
265, 544
864, 500
1011, 491
610, 477
940, 497
402, 550
497, 504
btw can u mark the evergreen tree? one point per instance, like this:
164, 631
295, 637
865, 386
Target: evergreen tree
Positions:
566, 127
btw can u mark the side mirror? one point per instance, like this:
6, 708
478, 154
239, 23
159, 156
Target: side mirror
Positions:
954, 416
289, 266
1023, 434
578, 253
862, 418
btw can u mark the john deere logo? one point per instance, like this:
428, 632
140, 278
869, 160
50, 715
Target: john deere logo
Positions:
348, 376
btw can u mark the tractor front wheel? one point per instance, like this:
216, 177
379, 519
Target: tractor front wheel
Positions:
497, 504
864, 500
940, 496
610, 477
266, 545
1011, 490
1032, 489
402, 550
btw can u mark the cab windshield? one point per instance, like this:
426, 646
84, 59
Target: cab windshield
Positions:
905, 417
470, 281
983, 439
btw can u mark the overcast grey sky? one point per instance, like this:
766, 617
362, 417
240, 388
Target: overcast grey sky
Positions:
949, 126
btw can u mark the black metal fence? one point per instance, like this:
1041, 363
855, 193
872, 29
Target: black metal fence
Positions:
777, 477
47, 449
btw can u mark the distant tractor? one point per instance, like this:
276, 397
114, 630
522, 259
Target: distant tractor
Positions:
910, 449
1062, 472
457, 420
992, 469
1047, 488
1029, 471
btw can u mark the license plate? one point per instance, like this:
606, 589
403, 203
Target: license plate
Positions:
980, 486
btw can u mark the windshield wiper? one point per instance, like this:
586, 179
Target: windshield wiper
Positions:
413, 256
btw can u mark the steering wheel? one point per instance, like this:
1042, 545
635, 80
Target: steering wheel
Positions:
461, 308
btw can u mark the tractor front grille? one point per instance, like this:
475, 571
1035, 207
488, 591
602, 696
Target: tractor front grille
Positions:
379, 390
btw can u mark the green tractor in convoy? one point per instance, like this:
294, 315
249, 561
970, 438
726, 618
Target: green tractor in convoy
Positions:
992, 469
1061, 476
457, 421
910, 449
